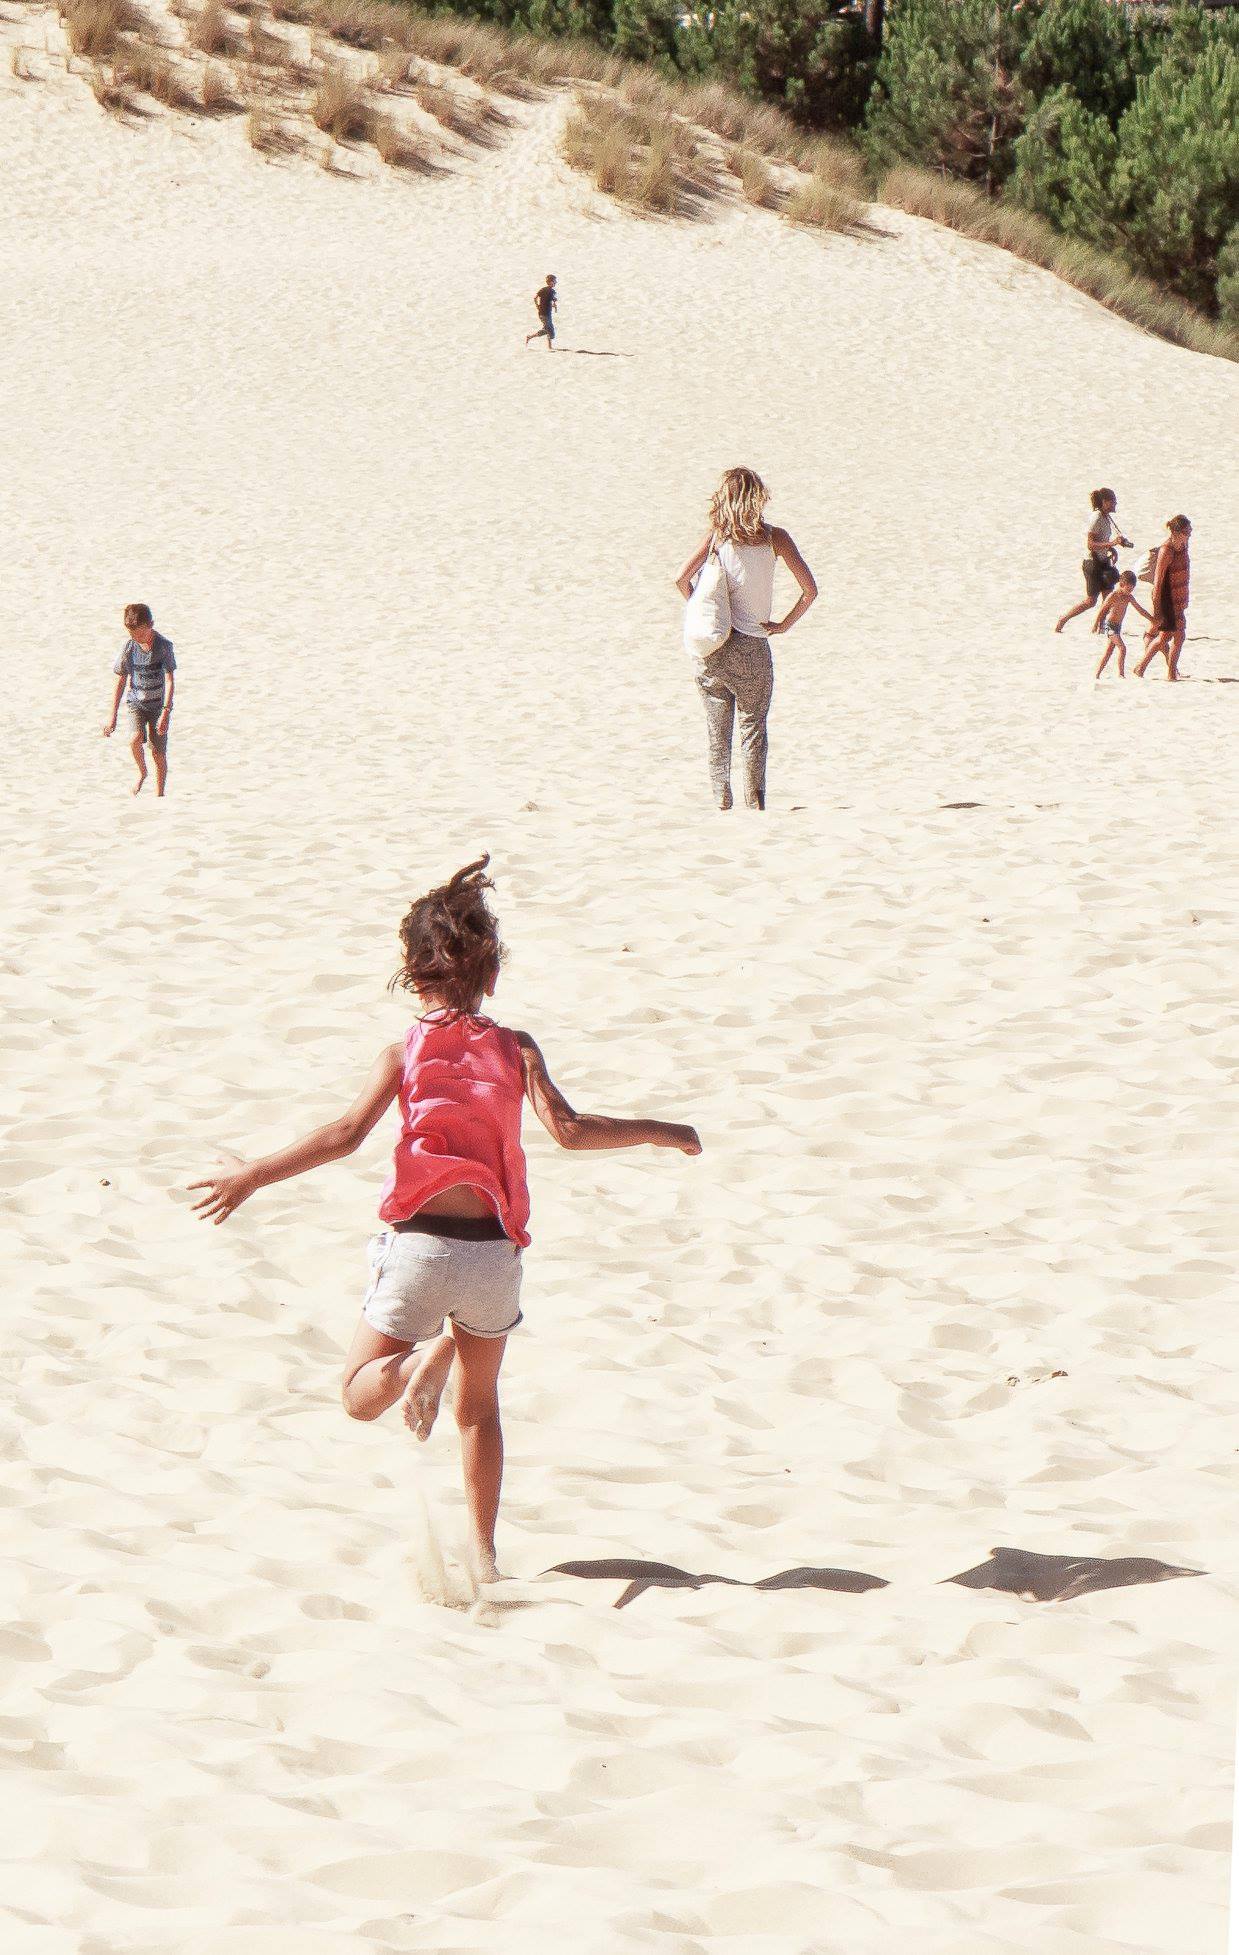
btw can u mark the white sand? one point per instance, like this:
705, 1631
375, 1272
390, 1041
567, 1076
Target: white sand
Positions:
965, 1078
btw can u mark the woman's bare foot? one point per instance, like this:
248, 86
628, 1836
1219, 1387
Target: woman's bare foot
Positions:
423, 1394
140, 782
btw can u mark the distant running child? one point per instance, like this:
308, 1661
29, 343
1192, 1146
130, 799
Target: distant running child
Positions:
455, 1205
1110, 620
546, 298
147, 666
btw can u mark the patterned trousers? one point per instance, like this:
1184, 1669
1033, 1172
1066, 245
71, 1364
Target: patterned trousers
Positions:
738, 677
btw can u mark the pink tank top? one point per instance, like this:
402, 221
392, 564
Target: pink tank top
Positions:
460, 1101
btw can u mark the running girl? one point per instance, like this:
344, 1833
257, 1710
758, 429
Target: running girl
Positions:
455, 1204
1110, 620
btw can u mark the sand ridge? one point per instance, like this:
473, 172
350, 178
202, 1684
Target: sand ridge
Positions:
962, 1073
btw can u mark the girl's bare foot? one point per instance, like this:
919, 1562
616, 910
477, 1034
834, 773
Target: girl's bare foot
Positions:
138, 784
424, 1392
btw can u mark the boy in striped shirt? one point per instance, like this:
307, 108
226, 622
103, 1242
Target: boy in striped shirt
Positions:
147, 666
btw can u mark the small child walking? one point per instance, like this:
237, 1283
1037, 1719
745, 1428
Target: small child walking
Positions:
445, 1269
147, 665
545, 299
1110, 620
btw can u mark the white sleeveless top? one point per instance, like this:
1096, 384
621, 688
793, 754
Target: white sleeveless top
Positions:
750, 585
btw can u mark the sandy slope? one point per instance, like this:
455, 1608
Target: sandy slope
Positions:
966, 1077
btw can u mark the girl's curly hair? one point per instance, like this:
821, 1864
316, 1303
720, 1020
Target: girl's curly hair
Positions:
451, 943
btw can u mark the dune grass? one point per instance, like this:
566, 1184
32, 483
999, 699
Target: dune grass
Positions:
340, 106
150, 71
758, 183
400, 148
94, 27
648, 161
210, 33
1102, 277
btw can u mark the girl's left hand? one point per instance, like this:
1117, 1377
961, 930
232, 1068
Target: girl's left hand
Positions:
225, 1192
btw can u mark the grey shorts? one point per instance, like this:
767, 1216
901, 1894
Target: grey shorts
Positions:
417, 1280
143, 722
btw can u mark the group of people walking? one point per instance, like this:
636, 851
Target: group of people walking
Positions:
1167, 568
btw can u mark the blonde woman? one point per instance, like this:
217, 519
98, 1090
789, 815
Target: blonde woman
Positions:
739, 676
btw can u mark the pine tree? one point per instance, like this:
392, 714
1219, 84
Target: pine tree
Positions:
948, 93
1176, 175
1064, 168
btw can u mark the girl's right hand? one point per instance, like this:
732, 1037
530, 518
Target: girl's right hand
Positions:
686, 1140
226, 1190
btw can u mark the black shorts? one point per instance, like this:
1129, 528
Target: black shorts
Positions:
1100, 576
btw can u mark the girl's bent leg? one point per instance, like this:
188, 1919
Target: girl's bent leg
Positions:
375, 1372
481, 1437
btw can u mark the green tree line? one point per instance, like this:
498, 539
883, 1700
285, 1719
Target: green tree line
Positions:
1119, 125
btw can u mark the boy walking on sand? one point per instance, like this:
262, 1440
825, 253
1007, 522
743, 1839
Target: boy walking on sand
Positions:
147, 666
546, 298
1110, 620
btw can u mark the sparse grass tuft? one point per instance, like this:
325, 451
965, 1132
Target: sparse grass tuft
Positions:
360, 23
273, 135
757, 180
341, 108
818, 201
152, 72
267, 50
219, 97
471, 117
400, 148
394, 68
112, 96
94, 27
209, 31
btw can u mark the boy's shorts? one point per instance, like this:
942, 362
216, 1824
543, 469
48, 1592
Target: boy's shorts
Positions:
417, 1280
144, 725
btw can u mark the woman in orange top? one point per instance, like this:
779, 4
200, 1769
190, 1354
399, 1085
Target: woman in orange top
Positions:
1171, 585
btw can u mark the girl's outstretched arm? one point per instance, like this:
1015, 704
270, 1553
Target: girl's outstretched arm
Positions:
227, 1189
593, 1130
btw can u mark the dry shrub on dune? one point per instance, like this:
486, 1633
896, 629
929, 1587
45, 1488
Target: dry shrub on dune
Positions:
94, 27
267, 50
341, 108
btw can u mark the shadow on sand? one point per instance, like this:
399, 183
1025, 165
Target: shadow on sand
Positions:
643, 1575
1060, 1577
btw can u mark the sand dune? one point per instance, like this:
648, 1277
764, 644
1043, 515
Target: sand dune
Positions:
955, 1019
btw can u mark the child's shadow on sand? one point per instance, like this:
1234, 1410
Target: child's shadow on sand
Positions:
643, 1575
1013, 1571
1060, 1577
592, 353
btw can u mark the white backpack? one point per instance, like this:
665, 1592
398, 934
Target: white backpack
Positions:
707, 615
